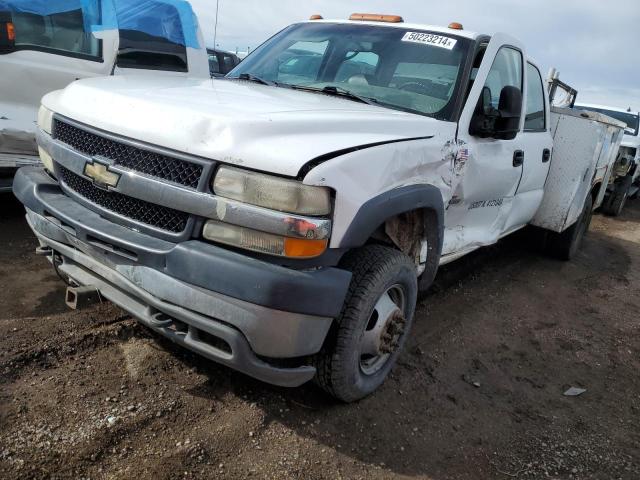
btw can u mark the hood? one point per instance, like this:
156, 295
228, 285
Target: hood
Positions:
233, 121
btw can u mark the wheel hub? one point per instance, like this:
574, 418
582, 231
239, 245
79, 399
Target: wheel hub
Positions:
384, 330
393, 331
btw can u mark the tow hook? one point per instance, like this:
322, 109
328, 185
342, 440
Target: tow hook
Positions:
78, 298
44, 251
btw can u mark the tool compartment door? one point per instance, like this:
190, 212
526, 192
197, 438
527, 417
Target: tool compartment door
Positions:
580, 140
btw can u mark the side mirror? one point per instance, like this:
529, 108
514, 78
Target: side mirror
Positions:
7, 33
502, 123
510, 108
484, 116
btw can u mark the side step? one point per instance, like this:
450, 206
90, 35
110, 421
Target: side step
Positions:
78, 298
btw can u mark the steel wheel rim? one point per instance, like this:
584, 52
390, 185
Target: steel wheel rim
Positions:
383, 330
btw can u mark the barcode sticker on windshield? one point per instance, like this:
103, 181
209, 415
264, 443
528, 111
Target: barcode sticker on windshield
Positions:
430, 39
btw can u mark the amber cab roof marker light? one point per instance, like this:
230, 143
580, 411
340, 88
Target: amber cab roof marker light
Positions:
456, 26
376, 17
315, 17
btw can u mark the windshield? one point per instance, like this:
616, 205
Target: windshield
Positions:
631, 119
398, 68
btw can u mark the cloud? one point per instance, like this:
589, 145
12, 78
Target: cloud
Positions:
592, 42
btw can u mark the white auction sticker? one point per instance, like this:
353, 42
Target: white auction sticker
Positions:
430, 39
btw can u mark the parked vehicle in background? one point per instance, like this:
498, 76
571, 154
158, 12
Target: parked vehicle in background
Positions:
625, 181
221, 62
287, 233
45, 45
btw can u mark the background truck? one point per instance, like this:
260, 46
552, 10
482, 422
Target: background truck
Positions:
221, 62
625, 180
283, 220
45, 45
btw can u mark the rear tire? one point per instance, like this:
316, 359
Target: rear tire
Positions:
619, 197
565, 245
366, 339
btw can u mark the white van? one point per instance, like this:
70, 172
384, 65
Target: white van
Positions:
46, 45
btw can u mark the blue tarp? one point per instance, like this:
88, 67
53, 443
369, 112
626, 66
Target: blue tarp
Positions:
170, 19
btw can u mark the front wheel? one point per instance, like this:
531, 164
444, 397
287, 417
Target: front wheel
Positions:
367, 337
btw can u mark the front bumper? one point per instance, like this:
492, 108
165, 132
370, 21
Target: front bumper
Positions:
9, 164
194, 293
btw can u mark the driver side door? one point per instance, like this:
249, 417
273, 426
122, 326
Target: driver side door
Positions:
486, 171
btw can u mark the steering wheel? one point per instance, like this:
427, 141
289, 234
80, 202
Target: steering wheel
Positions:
415, 87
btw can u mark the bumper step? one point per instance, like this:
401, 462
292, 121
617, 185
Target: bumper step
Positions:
79, 298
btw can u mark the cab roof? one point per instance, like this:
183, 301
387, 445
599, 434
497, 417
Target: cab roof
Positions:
406, 26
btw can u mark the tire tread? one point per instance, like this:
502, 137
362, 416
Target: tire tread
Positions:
368, 265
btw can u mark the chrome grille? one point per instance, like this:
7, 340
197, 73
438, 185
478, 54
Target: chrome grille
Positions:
157, 216
130, 157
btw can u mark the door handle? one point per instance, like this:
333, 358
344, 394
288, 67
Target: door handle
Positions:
546, 155
518, 158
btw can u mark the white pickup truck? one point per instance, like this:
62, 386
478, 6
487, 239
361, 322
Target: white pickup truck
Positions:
282, 220
47, 44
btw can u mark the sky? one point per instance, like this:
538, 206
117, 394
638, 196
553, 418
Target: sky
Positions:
595, 44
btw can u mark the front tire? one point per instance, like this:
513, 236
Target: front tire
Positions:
366, 339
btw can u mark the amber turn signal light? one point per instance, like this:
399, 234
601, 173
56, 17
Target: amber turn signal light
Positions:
315, 17
376, 17
303, 248
456, 26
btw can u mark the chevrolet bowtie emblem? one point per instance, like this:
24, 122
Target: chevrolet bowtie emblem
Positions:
101, 175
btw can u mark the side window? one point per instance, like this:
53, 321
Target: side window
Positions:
227, 63
535, 118
505, 71
477, 61
214, 66
66, 31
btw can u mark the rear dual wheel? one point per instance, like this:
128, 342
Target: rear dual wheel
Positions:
370, 332
566, 244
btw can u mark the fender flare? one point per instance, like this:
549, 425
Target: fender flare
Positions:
377, 210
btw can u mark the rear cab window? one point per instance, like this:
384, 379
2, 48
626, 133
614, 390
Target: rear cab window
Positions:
61, 28
152, 37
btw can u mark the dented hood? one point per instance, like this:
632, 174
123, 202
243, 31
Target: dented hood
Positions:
260, 127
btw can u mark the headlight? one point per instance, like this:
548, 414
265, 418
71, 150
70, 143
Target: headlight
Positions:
262, 242
45, 119
271, 192
45, 122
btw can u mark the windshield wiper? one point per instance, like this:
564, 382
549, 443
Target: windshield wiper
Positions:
341, 92
250, 77
336, 92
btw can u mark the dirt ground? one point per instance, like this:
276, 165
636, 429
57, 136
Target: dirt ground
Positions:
478, 394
